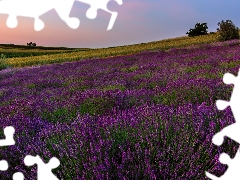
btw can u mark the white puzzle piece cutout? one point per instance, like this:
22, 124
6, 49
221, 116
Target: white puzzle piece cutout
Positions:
8, 141
18, 176
101, 4
232, 131
3, 165
44, 170
232, 172
36, 8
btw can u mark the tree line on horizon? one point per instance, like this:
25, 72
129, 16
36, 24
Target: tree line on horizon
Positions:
31, 44
227, 30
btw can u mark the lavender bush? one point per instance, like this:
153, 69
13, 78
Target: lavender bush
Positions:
146, 116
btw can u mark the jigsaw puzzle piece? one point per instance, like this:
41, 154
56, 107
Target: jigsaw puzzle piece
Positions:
18, 176
8, 132
233, 167
234, 102
7, 7
44, 170
232, 130
32, 8
12, 21
3, 165
36, 8
101, 4
63, 8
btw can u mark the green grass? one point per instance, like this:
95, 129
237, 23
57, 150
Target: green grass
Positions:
112, 87
230, 64
130, 69
3, 62
96, 106
60, 114
123, 135
28, 56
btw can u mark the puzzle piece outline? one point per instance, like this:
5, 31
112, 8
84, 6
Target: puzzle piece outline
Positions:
233, 167
8, 133
101, 4
3, 165
8, 141
36, 8
44, 169
230, 131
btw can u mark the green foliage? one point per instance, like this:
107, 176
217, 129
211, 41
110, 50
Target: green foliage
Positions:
113, 87
200, 29
96, 106
31, 86
52, 144
230, 64
31, 44
26, 53
130, 69
78, 54
3, 62
59, 115
195, 95
120, 138
138, 76
227, 31
192, 69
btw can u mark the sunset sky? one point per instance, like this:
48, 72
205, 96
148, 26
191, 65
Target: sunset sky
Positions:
138, 21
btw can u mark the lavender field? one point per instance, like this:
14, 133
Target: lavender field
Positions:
150, 115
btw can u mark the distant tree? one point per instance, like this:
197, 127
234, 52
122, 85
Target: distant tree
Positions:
31, 44
227, 31
200, 29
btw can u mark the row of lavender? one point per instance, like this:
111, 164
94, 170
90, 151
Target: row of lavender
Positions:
147, 115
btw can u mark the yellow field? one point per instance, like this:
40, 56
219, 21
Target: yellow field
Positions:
64, 56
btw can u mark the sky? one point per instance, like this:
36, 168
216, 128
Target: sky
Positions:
138, 21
